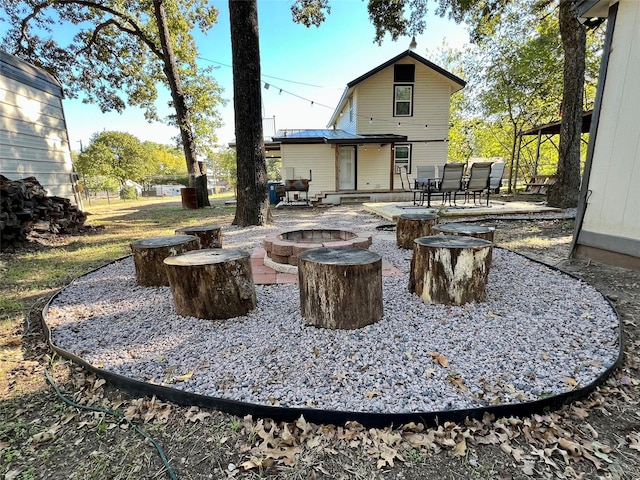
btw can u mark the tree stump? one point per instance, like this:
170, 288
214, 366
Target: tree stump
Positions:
210, 235
450, 269
340, 288
212, 283
413, 225
465, 229
149, 253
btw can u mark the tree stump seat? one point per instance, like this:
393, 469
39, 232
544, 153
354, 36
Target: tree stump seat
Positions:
450, 269
410, 226
340, 288
210, 235
212, 283
149, 254
466, 229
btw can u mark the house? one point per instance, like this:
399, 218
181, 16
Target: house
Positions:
607, 222
389, 121
33, 132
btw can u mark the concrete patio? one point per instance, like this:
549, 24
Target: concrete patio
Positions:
390, 210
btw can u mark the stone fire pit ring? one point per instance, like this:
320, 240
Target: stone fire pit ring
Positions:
282, 249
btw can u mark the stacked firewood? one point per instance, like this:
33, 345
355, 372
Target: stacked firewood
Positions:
24, 203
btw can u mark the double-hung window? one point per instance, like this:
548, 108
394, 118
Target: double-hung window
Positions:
403, 101
402, 157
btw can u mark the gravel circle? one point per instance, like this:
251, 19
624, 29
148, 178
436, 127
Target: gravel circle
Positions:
540, 333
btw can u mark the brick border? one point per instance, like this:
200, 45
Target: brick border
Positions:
282, 252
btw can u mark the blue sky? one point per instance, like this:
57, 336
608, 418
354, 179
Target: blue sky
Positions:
313, 63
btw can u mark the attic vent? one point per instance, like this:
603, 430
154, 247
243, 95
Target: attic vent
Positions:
404, 73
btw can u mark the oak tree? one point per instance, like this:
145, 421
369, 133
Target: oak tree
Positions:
118, 55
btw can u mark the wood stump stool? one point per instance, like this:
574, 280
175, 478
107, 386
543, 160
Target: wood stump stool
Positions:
149, 253
466, 229
450, 269
210, 235
413, 225
340, 288
211, 283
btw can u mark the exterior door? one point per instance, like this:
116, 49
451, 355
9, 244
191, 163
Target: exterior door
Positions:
347, 168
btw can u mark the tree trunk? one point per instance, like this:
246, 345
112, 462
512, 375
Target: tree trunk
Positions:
212, 283
197, 179
340, 288
252, 206
451, 270
565, 192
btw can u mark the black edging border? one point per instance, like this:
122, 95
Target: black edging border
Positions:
339, 417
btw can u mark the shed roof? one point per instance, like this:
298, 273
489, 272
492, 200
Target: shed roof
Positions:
28, 74
334, 137
553, 128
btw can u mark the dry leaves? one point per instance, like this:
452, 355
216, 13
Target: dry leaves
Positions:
440, 359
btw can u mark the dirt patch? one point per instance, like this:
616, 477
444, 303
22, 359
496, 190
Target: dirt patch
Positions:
42, 436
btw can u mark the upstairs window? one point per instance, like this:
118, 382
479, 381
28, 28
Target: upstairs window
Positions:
404, 73
403, 100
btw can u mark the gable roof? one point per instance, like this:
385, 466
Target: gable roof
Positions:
408, 53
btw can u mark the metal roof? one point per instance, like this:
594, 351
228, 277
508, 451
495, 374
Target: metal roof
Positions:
334, 137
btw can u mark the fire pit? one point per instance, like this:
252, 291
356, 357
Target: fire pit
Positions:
282, 249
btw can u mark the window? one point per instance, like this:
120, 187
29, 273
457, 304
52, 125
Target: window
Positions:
403, 101
402, 157
404, 73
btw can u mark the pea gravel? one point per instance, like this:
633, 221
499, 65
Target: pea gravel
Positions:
540, 333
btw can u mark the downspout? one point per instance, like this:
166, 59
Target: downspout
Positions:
593, 129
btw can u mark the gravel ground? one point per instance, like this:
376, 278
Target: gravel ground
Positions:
540, 332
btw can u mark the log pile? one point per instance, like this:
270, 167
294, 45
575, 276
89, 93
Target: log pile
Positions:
24, 203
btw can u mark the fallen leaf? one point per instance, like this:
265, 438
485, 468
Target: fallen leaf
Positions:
460, 450
371, 394
316, 351
571, 381
440, 359
634, 441
184, 377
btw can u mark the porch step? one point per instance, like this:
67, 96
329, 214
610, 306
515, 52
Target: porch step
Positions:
355, 199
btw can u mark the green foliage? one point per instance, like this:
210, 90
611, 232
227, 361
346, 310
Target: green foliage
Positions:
115, 58
225, 166
128, 192
114, 154
310, 12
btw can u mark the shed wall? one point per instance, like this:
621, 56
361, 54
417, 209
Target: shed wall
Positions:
611, 221
33, 135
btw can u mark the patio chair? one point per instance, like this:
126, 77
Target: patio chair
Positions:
478, 181
450, 182
495, 179
425, 174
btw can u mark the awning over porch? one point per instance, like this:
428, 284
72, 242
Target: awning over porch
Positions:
339, 137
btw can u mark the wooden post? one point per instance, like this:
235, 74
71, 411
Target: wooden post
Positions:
210, 235
149, 253
211, 283
413, 225
465, 229
448, 269
340, 288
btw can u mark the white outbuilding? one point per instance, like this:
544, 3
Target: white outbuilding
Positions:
608, 219
33, 132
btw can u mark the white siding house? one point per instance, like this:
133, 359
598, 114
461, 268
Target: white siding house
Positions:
389, 121
33, 132
608, 220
